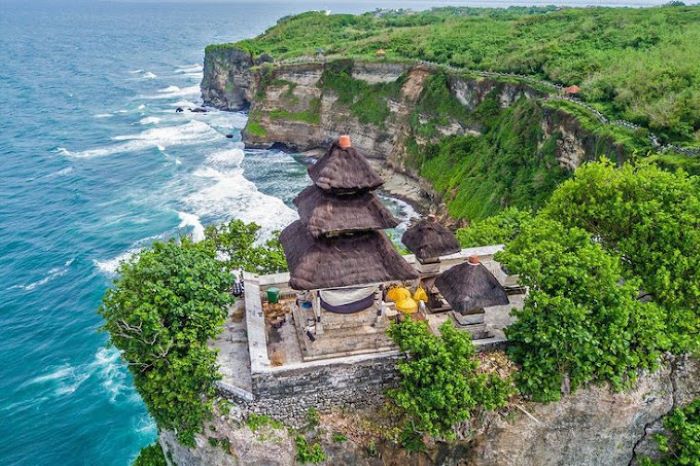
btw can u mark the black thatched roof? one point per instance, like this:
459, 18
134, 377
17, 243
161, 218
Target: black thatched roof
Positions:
468, 287
323, 212
347, 260
344, 170
427, 238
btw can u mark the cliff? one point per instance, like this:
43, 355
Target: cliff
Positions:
593, 426
410, 116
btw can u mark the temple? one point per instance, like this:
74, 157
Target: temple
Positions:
339, 257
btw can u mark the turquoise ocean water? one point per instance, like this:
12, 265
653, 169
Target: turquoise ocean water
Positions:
95, 164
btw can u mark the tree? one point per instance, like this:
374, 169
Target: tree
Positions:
581, 321
651, 218
168, 301
240, 246
499, 229
440, 384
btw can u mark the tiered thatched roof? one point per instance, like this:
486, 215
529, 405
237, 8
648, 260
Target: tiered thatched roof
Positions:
344, 170
428, 239
324, 213
470, 286
348, 260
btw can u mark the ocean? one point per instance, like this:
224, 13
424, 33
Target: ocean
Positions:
95, 165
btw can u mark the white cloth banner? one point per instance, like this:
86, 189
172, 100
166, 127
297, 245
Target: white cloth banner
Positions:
346, 296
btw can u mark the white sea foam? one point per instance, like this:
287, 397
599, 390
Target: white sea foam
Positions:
229, 194
149, 75
141, 107
193, 132
104, 115
136, 71
66, 379
174, 91
61, 172
109, 266
191, 220
193, 68
50, 275
226, 158
149, 120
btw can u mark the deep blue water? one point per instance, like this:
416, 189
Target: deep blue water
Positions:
95, 164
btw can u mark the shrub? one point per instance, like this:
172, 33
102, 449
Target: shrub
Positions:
440, 385
681, 444
651, 218
308, 453
240, 246
151, 455
168, 301
581, 321
499, 229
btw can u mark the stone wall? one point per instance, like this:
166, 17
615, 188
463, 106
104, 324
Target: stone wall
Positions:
288, 393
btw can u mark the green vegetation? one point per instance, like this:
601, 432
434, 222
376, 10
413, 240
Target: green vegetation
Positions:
612, 262
498, 229
254, 128
166, 304
636, 64
651, 218
339, 437
240, 247
368, 102
255, 422
440, 385
581, 322
151, 455
681, 444
505, 166
308, 452
312, 115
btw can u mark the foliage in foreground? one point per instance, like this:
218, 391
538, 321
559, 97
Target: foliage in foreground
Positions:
151, 455
651, 218
440, 385
308, 452
240, 246
681, 444
581, 321
168, 301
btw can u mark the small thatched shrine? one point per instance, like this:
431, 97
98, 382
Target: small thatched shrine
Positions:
428, 240
337, 253
469, 288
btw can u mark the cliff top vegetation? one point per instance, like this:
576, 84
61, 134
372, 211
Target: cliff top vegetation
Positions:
637, 64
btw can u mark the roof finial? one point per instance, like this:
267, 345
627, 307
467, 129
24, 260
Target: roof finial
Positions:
474, 260
344, 141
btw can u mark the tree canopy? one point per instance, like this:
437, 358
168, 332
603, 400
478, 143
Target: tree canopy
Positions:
581, 321
440, 384
651, 218
167, 302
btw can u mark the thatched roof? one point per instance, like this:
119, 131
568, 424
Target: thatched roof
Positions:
347, 260
344, 170
427, 238
324, 212
468, 287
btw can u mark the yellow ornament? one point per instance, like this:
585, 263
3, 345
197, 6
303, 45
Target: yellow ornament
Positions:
420, 295
407, 306
397, 294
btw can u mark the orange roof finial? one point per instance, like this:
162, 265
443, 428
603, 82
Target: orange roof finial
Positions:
344, 141
474, 260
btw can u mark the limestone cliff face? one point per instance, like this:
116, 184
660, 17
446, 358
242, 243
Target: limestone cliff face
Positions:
292, 106
593, 426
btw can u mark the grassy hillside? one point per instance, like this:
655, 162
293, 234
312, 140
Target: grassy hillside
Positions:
638, 64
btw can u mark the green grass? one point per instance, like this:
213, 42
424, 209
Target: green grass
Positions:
312, 115
637, 64
254, 128
257, 421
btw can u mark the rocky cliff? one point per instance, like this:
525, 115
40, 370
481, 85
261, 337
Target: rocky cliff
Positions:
593, 426
402, 113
